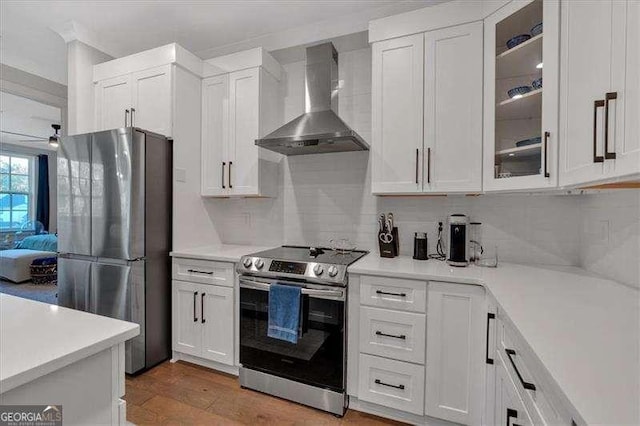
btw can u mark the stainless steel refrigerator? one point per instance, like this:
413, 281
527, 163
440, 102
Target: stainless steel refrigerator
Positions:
114, 234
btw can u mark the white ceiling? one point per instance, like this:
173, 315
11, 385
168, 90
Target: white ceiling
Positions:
26, 122
201, 26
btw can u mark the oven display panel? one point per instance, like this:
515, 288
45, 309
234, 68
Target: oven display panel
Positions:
288, 267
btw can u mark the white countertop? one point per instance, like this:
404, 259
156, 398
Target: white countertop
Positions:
221, 253
584, 329
37, 338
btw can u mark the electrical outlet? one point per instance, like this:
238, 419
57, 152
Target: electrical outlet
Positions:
180, 175
603, 231
246, 219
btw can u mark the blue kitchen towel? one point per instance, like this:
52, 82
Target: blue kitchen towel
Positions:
284, 312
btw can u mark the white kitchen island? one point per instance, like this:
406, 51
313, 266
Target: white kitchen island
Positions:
51, 355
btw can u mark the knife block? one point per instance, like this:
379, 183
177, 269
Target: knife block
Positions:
391, 249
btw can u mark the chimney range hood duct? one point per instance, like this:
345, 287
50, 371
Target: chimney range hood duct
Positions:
319, 130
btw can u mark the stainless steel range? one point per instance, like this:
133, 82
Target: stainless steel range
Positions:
313, 370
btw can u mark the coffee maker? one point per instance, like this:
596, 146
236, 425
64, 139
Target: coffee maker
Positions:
458, 240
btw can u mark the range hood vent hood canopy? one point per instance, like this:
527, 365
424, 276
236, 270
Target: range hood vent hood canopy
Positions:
319, 130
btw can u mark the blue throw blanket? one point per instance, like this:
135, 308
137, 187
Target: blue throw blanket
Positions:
45, 242
284, 312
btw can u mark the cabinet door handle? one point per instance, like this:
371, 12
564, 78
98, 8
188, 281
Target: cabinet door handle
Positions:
391, 294
608, 97
395, 336
511, 413
126, 117
195, 271
380, 382
417, 159
428, 165
547, 135
202, 308
596, 158
223, 164
230, 163
195, 296
490, 316
526, 385
133, 117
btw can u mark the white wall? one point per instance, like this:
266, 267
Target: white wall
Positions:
610, 235
329, 196
81, 59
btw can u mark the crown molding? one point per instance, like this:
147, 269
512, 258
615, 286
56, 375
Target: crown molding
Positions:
72, 31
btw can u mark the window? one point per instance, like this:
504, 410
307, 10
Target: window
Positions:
16, 191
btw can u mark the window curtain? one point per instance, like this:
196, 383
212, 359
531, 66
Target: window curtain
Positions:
42, 191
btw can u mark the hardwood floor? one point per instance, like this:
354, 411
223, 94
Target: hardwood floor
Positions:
186, 394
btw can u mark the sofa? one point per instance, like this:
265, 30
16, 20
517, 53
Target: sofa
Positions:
15, 263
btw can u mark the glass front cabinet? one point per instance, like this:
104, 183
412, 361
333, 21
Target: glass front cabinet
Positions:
521, 96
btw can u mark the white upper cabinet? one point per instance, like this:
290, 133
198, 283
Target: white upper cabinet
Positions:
140, 99
453, 109
600, 84
239, 107
215, 135
113, 102
151, 103
427, 112
141, 90
521, 129
397, 108
244, 129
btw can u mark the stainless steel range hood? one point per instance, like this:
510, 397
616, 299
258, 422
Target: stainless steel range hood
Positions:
319, 130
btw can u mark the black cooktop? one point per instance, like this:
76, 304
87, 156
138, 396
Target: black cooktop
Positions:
311, 254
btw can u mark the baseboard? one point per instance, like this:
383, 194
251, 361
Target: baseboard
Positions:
224, 368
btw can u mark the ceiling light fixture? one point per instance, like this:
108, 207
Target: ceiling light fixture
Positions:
53, 140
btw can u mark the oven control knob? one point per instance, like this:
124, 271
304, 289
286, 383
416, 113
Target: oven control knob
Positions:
333, 271
318, 269
247, 262
259, 263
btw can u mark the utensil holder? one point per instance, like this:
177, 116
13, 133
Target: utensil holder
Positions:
390, 249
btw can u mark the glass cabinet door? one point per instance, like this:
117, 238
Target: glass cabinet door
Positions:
521, 88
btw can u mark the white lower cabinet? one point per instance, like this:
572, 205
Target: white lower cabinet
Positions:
187, 331
203, 310
392, 334
217, 323
391, 383
509, 408
203, 321
455, 352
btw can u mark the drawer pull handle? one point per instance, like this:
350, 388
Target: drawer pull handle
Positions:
526, 385
395, 336
490, 316
391, 294
511, 413
380, 382
195, 296
195, 271
608, 97
202, 308
596, 104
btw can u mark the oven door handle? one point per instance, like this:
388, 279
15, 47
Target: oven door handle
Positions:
259, 285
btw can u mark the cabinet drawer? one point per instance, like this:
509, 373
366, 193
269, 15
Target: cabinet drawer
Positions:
539, 397
405, 295
203, 271
393, 334
391, 383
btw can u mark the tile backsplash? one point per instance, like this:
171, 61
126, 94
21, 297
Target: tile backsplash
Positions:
328, 196
610, 235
